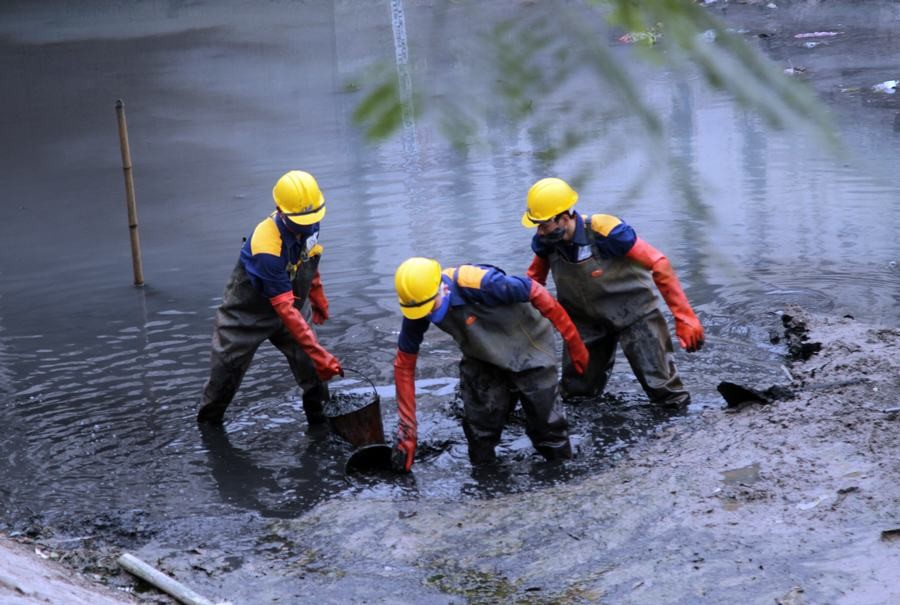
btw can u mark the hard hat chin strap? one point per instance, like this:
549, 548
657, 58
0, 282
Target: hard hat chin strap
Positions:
305, 212
420, 302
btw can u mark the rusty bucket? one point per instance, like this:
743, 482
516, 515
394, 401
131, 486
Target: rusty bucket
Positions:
354, 415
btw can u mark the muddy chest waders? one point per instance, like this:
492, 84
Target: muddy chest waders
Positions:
612, 302
508, 355
244, 320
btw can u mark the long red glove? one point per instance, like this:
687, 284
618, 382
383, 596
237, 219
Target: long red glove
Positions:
318, 301
687, 326
539, 269
327, 365
407, 429
551, 309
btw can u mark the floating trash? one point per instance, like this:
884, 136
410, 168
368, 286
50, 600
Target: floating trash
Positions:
888, 86
818, 34
647, 37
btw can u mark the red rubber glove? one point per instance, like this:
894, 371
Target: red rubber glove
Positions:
687, 326
327, 365
405, 381
551, 309
318, 301
539, 269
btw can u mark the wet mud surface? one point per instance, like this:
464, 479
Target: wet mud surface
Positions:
791, 500
788, 500
784, 502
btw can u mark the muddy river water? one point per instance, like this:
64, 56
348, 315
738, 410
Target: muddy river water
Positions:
99, 380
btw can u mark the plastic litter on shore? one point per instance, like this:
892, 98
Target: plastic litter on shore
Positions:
818, 34
888, 86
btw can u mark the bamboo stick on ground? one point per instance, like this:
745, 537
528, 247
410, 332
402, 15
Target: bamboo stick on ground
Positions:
161, 581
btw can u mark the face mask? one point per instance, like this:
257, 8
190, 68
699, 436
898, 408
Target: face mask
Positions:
302, 230
554, 237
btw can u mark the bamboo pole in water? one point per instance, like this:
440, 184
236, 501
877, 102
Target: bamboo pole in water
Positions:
161, 581
129, 195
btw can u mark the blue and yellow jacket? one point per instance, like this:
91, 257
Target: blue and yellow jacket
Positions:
600, 274
276, 260
612, 238
467, 284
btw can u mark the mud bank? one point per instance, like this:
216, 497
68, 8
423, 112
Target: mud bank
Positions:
28, 576
791, 501
794, 501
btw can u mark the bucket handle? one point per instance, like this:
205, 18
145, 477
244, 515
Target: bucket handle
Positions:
365, 377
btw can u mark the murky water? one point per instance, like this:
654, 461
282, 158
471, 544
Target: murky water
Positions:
100, 380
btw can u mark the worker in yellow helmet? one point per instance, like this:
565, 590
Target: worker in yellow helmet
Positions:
274, 292
508, 352
604, 275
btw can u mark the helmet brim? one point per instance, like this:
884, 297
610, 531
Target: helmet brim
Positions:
306, 219
527, 222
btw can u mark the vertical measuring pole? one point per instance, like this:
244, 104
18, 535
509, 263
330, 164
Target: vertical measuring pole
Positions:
401, 56
129, 196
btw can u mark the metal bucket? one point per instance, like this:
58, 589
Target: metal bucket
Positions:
356, 417
369, 459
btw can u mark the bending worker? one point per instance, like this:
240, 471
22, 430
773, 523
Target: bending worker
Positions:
508, 353
273, 292
603, 273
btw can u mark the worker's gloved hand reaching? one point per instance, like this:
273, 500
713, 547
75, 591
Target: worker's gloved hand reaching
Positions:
578, 353
404, 449
327, 365
550, 308
405, 381
687, 326
689, 331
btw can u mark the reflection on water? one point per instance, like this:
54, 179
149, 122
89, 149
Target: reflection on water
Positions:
100, 381
281, 492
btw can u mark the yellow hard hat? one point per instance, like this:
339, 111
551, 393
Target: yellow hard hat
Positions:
298, 196
417, 281
547, 198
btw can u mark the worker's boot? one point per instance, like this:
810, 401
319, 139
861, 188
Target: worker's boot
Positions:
218, 392
313, 404
555, 452
481, 454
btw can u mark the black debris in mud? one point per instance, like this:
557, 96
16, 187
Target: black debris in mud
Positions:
796, 332
737, 396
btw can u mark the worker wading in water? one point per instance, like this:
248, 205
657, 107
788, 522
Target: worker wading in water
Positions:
274, 291
508, 354
604, 275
